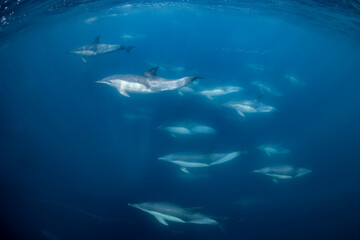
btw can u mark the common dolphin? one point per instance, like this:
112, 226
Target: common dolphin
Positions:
188, 128
250, 106
257, 67
220, 91
197, 160
294, 81
169, 67
97, 48
270, 149
164, 212
283, 172
266, 88
148, 82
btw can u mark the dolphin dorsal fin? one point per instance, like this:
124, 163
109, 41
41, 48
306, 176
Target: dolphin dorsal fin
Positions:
152, 72
96, 40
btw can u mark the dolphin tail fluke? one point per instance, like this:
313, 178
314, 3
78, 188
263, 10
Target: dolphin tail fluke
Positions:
129, 48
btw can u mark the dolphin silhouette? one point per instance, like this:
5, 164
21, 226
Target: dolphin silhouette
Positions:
97, 48
164, 212
148, 82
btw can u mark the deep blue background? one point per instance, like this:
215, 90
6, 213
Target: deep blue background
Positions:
71, 161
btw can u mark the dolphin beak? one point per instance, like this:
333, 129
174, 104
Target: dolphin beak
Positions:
101, 81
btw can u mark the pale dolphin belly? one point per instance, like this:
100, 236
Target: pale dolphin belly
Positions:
85, 53
130, 86
190, 164
159, 85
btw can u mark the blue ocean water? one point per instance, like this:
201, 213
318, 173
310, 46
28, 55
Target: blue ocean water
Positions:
75, 153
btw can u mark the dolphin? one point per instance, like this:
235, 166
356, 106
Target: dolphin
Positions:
294, 81
176, 130
250, 106
168, 67
190, 128
266, 88
148, 82
273, 149
220, 91
197, 160
283, 172
202, 129
257, 67
164, 212
97, 48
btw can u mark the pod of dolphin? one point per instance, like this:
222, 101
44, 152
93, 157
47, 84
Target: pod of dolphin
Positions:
149, 82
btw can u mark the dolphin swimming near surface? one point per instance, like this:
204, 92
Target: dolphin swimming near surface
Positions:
283, 172
198, 160
148, 82
220, 91
273, 149
266, 88
164, 212
97, 48
250, 106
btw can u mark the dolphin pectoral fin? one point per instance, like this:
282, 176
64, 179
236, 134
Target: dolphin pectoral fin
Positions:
268, 153
209, 97
240, 113
173, 135
184, 170
161, 220
275, 180
122, 92
83, 59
